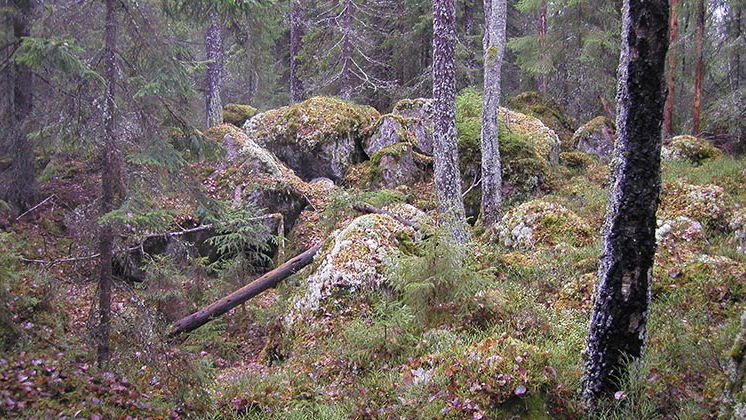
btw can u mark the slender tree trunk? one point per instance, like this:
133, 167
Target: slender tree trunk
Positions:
494, 46
23, 181
346, 76
108, 179
736, 76
541, 29
447, 175
214, 48
618, 323
699, 70
296, 34
673, 35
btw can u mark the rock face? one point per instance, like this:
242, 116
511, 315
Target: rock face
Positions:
250, 173
540, 223
319, 137
689, 148
353, 260
420, 113
238, 114
396, 165
595, 137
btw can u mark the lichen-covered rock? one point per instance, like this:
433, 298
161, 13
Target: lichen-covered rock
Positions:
250, 173
396, 165
238, 114
681, 232
352, 261
548, 111
738, 226
319, 137
388, 130
707, 204
419, 112
544, 140
411, 213
689, 148
595, 137
540, 223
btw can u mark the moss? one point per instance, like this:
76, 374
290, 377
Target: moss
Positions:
548, 111
707, 204
691, 149
315, 121
237, 114
405, 105
541, 223
576, 160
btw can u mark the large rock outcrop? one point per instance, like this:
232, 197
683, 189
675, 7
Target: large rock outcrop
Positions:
419, 113
596, 137
319, 137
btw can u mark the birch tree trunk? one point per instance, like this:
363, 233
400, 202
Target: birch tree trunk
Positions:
618, 323
447, 175
699, 70
494, 46
22, 190
214, 48
673, 35
108, 160
296, 34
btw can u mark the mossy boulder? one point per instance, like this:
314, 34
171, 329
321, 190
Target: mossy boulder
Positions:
249, 172
396, 165
419, 114
539, 223
576, 160
548, 111
689, 148
238, 114
681, 234
390, 129
319, 137
351, 262
707, 204
738, 226
595, 137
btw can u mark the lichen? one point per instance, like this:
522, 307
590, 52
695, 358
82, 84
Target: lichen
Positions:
540, 223
691, 149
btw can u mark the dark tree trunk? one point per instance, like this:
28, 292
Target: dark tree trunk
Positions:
296, 34
225, 304
447, 174
346, 76
23, 180
618, 323
541, 29
699, 70
108, 179
673, 35
214, 48
494, 46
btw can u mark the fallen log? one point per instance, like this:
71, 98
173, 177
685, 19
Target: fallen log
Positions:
225, 304
367, 209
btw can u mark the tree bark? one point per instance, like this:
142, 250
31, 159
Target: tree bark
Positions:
541, 29
214, 48
346, 75
494, 47
108, 174
736, 71
673, 35
295, 18
699, 70
23, 180
223, 305
618, 323
447, 174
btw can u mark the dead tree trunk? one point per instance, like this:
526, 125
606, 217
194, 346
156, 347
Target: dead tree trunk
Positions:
495, 12
699, 70
673, 35
223, 305
214, 47
447, 174
618, 323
